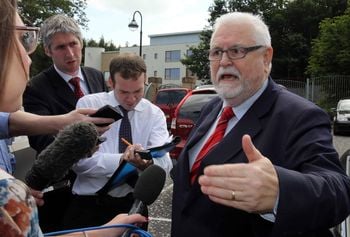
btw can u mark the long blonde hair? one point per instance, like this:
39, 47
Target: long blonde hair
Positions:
7, 36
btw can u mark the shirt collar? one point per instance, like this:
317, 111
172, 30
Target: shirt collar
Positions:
244, 107
67, 77
114, 102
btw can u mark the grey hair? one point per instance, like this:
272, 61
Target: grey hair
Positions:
59, 24
259, 29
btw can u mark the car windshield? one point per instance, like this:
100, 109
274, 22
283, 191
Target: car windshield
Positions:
344, 106
192, 107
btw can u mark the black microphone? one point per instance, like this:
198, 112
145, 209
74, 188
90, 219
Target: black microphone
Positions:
74, 142
147, 189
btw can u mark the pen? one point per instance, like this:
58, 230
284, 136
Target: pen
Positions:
126, 141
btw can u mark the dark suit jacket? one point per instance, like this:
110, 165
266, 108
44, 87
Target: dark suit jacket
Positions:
295, 135
48, 94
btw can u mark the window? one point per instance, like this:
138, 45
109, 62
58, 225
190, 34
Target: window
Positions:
155, 73
189, 52
155, 56
172, 56
106, 75
172, 74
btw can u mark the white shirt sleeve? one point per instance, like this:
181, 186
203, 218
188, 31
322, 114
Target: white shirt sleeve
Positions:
148, 125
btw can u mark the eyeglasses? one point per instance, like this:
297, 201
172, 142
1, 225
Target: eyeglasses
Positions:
232, 53
29, 37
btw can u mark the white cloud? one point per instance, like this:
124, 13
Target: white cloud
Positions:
156, 7
110, 18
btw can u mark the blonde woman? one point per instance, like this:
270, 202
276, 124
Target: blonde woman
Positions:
18, 212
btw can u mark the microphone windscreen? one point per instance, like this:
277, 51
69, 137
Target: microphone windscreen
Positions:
149, 184
74, 142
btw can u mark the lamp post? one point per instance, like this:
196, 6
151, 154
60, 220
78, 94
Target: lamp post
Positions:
133, 26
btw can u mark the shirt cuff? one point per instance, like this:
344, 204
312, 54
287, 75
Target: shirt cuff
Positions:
272, 216
4, 125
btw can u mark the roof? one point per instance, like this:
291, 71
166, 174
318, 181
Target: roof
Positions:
176, 33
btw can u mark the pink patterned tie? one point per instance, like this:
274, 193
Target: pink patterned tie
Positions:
75, 81
214, 139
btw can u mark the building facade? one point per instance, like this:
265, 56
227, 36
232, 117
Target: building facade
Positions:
162, 56
164, 53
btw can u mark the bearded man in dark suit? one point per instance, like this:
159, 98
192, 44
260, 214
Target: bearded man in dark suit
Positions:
274, 170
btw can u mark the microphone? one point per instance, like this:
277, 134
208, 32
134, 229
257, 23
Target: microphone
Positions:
74, 142
147, 189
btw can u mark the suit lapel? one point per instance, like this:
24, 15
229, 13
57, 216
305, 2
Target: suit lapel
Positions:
249, 124
62, 89
205, 123
90, 81
229, 150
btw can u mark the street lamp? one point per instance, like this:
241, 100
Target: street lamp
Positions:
133, 26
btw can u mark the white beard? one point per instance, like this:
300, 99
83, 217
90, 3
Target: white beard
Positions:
228, 91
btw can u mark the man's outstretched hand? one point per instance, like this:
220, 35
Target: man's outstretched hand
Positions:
252, 186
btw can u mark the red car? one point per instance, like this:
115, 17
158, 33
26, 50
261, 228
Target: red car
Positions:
187, 114
168, 99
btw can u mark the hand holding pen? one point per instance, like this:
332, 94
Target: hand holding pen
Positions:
132, 155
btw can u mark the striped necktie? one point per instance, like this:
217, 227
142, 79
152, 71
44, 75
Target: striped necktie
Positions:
214, 139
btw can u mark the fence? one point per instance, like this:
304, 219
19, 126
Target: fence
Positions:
324, 91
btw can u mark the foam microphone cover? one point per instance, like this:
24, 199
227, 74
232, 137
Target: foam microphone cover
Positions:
149, 184
74, 142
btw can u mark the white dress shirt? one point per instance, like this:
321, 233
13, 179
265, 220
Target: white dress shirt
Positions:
148, 125
67, 77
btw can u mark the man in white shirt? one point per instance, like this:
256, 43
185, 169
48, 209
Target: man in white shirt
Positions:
148, 129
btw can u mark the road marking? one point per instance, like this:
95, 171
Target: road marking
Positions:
159, 219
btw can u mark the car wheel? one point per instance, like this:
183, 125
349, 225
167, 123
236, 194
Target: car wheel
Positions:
343, 229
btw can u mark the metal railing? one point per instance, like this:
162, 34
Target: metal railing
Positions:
325, 91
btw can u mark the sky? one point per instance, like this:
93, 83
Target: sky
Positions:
110, 18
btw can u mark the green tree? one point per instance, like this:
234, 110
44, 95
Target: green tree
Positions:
331, 49
293, 25
102, 42
198, 61
34, 12
91, 43
330, 56
108, 46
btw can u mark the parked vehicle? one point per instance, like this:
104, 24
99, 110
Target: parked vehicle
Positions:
168, 99
187, 114
342, 117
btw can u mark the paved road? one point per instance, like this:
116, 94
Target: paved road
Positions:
341, 143
160, 210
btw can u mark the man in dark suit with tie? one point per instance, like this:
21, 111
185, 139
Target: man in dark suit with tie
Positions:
268, 168
55, 91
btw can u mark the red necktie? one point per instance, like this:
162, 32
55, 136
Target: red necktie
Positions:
214, 139
75, 81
